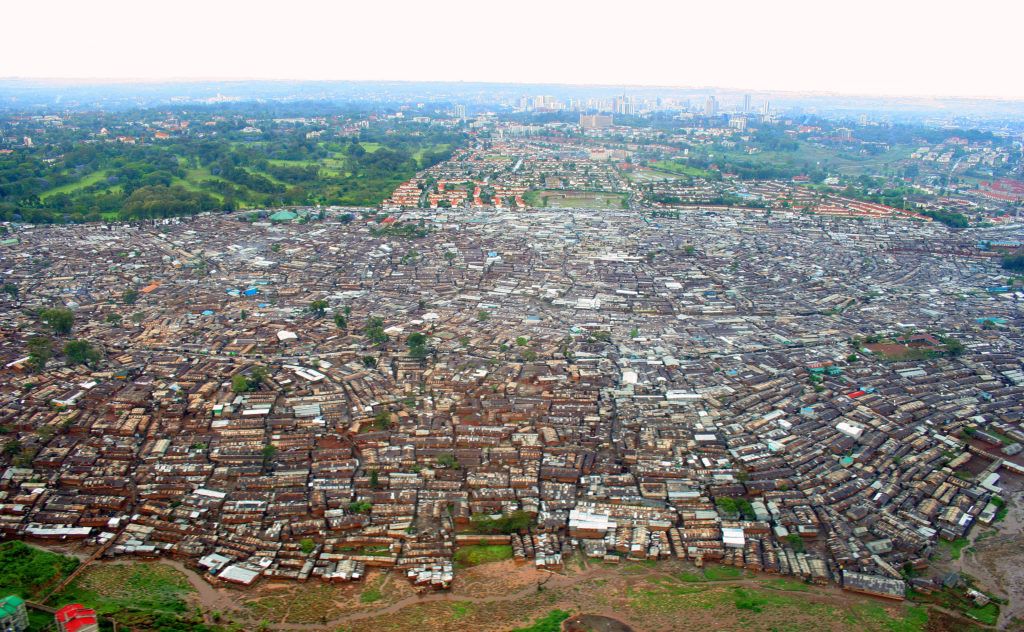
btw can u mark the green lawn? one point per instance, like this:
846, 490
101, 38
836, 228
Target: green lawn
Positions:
482, 554
294, 163
786, 585
954, 547
81, 183
418, 154
874, 617
650, 175
681, 168
721, 573
712, 574
461, 609
552, 622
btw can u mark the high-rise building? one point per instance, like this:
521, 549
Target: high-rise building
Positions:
766, 109
746, 103
460, 111
595, 121
711, 106
624, 105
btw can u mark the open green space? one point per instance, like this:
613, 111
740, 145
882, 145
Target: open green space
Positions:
482, 554
229, 170
552, 622
29, 572
86, 181
807, 158
576, 199
110, 588
772, 602
680, 168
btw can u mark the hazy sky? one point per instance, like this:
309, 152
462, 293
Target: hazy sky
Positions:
912, 47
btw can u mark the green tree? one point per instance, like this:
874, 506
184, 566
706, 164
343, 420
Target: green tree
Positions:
374, 330
40, 350
81, 352
59, 319
417, 344
521, 341
360, 506
448, 460
129, 297
318, 307
382, 420
11, 290
306, 545
269, 451
1014, 263
12, 448
240, 383
257, 376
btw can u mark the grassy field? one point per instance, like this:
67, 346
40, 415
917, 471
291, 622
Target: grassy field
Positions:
955, 547
418, 154
681, 168
111, 588
551, 622
644, 176
482, 554
81, 183
828, 158
578, 199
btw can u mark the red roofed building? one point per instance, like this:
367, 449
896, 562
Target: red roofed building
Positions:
76, 618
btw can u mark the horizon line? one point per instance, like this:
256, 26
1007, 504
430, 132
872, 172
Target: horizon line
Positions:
200, 79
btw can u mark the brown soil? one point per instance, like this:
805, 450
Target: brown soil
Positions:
594, 623
995, 557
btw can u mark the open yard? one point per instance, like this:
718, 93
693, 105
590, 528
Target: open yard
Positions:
579, 199
88, 180
110, 588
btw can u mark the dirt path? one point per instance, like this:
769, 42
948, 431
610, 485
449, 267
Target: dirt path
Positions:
230, 601
552, 581
212, 598
997, 561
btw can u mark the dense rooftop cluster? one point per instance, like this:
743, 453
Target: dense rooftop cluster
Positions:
806, 395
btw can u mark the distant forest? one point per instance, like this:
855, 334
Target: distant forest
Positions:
114, 166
